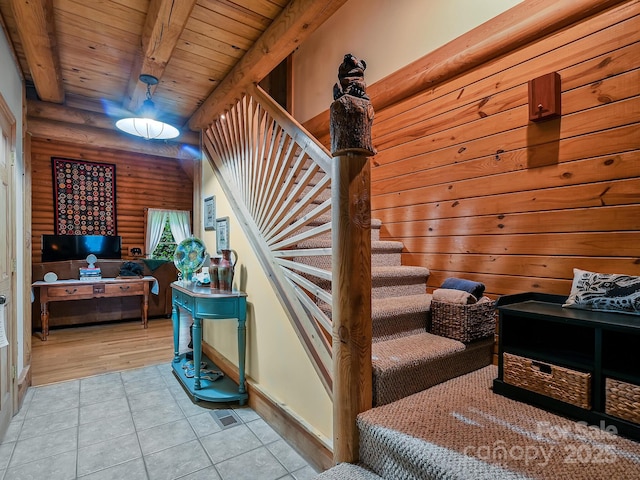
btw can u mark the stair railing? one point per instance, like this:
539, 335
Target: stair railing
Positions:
278, 178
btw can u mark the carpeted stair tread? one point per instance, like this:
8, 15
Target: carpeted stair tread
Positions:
321, 220
399, 272
394, 281
407, 365
387, 307
394, 317
398, 281
397, 353
348, 471
322, 196
385, 253
376, 224
376, 245
460, 429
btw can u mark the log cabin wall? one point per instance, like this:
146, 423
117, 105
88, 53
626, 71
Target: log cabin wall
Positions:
142, 181
475, 190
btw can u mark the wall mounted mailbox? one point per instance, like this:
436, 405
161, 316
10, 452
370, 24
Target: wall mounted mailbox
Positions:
544, 97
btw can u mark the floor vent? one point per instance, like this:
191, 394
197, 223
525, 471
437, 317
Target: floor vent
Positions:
226, 418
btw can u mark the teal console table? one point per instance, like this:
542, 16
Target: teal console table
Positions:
203, 303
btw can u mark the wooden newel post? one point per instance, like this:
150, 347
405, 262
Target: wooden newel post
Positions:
350, 123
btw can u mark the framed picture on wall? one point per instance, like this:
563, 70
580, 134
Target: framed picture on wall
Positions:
222, 234
210, 213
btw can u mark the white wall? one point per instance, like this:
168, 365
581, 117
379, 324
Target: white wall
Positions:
387, 34
275, 357
12, 91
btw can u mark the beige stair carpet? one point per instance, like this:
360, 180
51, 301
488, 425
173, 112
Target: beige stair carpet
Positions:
407, 365
460, 429
348, 471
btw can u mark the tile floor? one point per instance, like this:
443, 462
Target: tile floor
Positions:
140, 425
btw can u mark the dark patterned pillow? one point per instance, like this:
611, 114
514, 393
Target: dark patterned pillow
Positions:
610, 292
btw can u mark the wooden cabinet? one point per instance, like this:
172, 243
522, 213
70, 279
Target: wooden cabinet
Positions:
597, 347
97, 310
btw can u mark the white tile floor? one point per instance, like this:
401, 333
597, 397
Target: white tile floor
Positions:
140, 425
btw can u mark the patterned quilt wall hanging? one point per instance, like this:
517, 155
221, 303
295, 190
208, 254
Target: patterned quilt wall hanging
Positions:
84, 197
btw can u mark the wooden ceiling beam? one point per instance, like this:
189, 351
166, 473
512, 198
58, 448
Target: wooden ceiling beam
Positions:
163, 27
76, 116
295, 23
101, 138
34, 22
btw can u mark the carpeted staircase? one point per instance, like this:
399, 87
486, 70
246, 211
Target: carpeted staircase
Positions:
406, 358
460, 429
435, 415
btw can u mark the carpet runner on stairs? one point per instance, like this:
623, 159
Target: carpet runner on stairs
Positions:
407, 365
406, 359
348, 471
460, 429
394, 317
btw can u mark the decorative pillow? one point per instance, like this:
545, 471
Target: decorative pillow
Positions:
609, 292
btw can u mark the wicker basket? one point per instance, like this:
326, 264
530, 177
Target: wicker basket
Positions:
464, 323
561, 383
622, 400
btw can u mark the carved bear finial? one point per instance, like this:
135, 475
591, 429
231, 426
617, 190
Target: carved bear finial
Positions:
351, 77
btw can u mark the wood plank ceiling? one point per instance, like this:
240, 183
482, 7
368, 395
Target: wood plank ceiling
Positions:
81, 59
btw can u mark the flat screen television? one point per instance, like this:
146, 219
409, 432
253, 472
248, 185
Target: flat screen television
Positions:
77, 247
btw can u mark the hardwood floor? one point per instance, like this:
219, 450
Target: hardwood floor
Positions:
79, 352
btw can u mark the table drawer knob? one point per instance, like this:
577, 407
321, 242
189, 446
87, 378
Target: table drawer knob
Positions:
124, 287
71, 291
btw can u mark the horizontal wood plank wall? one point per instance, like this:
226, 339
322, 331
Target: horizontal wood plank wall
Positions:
475, 190
141, 181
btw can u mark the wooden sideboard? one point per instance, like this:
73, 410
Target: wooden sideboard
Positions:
99, 310
68, 290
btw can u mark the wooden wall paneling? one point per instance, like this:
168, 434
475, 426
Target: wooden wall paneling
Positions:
599, 244
592, 219
483, 85
504, 152
622, 246
618, 192
525, 24
559, 267
509, 284
141, 181
507, 157
608, 167
478, 198
509, 129
600, 91
474, 190
448, 64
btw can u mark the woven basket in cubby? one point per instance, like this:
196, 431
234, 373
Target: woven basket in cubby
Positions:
464, 323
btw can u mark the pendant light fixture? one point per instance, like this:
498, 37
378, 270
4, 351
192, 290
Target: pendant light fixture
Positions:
145, 125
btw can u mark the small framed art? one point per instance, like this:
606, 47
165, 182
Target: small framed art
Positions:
222, 234
210, 213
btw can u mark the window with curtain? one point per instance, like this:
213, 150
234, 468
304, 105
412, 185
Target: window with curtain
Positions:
165, 230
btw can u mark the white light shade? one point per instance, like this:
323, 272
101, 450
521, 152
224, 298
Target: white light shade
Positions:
147, 128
